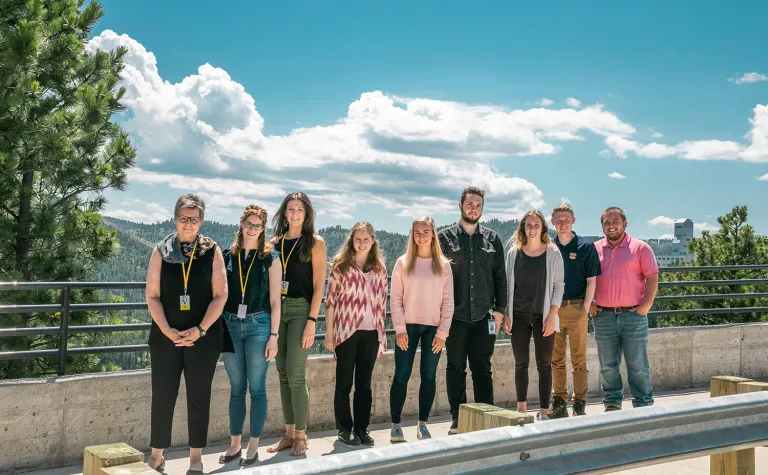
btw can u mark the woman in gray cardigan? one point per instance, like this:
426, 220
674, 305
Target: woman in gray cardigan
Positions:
535, 290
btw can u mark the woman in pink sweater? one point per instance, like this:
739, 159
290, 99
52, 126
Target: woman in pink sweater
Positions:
421, 302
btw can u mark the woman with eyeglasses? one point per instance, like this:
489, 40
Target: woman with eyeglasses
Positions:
251, 317
303, 258
186, 291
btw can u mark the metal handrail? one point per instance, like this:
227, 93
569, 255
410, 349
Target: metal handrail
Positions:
603, 442
65, 308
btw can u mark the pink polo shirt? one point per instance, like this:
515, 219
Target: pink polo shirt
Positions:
621, 282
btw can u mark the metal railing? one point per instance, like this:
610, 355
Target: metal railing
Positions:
65, 308
602, 443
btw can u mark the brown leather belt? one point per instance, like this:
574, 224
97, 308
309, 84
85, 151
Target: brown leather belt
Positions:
617, 309
565, 303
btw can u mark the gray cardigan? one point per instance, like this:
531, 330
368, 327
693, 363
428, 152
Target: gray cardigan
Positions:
555, 281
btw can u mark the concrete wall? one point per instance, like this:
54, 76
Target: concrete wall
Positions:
48, 423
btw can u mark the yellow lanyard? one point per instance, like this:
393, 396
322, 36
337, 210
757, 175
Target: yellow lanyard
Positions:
282, 254
185, 273
240, 267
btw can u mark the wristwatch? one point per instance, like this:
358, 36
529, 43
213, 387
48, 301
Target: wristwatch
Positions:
276, 335
200, 329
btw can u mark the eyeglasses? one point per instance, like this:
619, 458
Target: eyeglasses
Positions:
253, 227
185, 220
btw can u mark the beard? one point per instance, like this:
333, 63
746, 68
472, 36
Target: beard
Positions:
614, 236
469, 220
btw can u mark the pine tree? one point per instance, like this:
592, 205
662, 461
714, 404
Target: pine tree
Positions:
59, 151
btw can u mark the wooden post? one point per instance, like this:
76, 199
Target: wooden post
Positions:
505, 418
728, 463
471, 416
136, 468
97, 457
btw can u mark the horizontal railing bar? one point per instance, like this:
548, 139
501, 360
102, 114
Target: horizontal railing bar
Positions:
23, 355
744, 267
71, 285
30, 308
92, 350
98, 307
666, 298
688, 283
694, 311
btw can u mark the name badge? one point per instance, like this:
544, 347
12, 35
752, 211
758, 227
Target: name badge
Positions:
242, 310
284, 288
491, 326
184, 302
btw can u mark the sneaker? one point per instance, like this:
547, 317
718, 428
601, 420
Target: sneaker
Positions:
578, 407
542, 416
612, 408
365, 437
422, 432
348, 437
559, 408
396, 434
454, 427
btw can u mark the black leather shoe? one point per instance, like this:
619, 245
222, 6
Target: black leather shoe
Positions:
228, 458
364, 437
245, 462
348, 437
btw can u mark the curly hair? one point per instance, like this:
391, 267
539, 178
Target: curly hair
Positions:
262, 247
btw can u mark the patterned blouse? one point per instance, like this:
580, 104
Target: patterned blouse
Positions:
347, 295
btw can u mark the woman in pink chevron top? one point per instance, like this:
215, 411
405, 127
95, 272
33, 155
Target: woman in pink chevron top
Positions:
355, 309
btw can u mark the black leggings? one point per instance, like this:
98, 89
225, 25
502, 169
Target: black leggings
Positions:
522, 328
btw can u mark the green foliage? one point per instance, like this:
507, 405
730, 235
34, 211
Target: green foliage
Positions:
58, 152
735, 243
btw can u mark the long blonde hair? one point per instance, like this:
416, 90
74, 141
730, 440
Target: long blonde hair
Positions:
261, 246
438, 258
345, 258
520, 239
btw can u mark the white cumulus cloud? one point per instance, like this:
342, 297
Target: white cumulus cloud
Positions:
763, 177
616, 175
670, 222
140, 211
546, 102
748, 78
573, 102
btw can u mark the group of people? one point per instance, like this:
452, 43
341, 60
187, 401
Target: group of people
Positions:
260, 299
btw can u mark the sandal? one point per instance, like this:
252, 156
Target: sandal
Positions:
278, 447
301, 436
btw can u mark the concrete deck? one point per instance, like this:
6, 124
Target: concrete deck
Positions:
326, 443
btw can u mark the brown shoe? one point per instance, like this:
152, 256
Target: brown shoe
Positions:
579, 406
612, 408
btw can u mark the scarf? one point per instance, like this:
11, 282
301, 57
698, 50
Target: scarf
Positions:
172, 253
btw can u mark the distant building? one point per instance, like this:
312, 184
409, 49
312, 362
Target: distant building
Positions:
680, 254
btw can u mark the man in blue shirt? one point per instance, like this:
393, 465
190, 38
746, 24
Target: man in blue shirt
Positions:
582, 266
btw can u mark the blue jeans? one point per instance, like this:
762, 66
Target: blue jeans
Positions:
627, 333
404, 366
247, 367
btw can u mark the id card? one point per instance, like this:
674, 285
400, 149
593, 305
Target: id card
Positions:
491, 326
284, 288
242, 310
184, 302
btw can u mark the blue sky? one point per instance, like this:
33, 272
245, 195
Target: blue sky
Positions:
383, 111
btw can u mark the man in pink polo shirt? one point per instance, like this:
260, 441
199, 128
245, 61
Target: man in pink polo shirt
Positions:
626, 287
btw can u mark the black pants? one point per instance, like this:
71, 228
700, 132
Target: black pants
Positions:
522, 328
198, 363
356, 357
469, 341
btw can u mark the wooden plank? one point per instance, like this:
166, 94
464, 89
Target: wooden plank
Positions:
97, 457
728, 463
471, 416
494, 419
136, 468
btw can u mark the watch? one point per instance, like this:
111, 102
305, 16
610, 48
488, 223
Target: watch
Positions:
200, 329
276, 335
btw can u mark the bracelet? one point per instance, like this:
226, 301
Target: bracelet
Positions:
274, 335
313, 319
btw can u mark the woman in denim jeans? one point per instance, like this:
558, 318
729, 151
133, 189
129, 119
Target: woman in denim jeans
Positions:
252, 317
421, 301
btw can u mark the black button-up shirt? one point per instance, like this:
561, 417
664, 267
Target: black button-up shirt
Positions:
479, 276
580, 262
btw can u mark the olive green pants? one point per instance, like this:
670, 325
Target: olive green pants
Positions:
291, 362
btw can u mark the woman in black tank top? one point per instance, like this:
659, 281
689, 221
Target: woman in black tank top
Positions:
186, 293
303, 258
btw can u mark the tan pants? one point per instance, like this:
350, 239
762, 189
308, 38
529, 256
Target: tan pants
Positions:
573, 323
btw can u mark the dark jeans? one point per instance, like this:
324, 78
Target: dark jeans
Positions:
469, 341
543, 346
623, 333
404, 365
198, 364
355, 358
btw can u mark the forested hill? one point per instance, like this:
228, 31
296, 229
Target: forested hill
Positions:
136, 241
